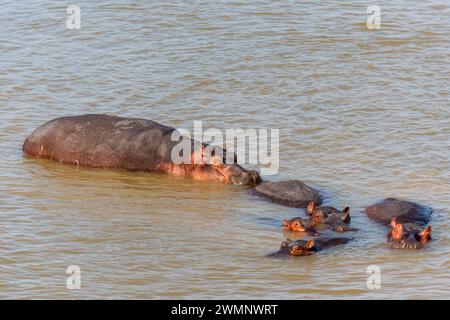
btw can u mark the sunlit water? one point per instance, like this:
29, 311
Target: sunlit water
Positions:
362, 115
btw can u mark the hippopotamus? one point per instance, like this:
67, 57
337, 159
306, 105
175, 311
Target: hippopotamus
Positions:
325, 211
403, 211
403, 237
307, 247
329, 217
405, 218
105, 141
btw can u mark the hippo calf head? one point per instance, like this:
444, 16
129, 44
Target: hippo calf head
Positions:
294, 225
232, 174
296, 249
214, 165
321, 213
235, 174
330, 217
302, 250
298, 225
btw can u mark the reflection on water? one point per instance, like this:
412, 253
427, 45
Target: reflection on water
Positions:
363, 115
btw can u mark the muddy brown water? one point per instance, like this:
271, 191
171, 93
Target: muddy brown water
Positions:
362, 115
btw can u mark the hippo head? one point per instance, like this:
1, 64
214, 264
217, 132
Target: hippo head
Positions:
235, 174
319, 215
299, 250
213, 164
232, 174
310, 208
346, 215
403, 238
294, 225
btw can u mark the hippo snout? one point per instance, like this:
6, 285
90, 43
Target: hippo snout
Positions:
250, 178
253, 178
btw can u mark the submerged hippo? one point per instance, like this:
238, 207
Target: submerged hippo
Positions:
403, 211
307, 247
325, 211
402, 237
105, 141
299, 225
329, 217
292, 193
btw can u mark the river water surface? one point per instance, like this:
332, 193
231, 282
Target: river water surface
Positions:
363, 115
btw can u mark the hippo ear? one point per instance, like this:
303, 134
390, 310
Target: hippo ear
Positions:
397, 226
228, 157
309, 244
284, 244
310, 208
393, 222
346, 215
285, 224
425, 235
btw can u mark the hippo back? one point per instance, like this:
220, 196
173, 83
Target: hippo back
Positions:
403, 211
102, 141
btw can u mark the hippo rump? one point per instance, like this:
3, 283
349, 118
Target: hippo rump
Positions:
403, 211
105, 141
291, 193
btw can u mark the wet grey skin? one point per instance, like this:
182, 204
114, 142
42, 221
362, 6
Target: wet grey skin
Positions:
404, 211
104, 141
291, 193
334, 221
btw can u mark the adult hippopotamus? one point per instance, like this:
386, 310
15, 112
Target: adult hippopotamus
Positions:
105, 141
403, 237
404, 211
405, 218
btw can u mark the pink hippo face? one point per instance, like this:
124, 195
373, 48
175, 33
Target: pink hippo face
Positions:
402, 237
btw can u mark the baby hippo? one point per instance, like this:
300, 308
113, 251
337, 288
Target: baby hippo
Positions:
325, 211
299, 225
307, 247
402, 237
331, 217
298, 250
